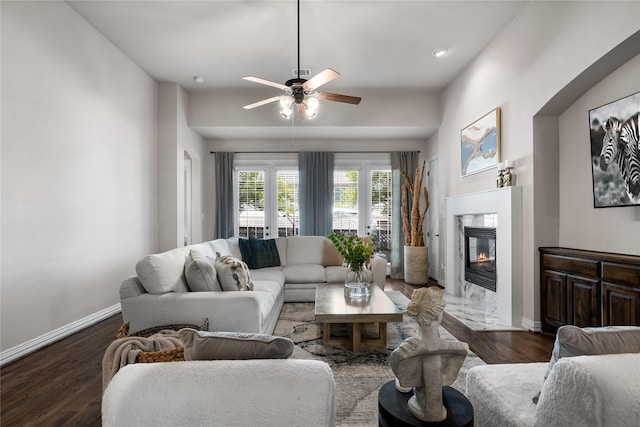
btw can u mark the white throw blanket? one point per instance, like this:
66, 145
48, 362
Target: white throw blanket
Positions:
124, 351
591, 391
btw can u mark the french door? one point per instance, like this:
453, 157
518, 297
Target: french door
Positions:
362, 202
266, 201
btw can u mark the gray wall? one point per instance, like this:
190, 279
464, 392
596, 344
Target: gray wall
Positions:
78, 170
541, 52
582, 226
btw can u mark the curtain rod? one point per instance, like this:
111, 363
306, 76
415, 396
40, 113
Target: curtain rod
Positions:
296, 152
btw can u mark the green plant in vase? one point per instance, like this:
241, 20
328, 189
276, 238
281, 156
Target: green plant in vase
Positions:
356, 252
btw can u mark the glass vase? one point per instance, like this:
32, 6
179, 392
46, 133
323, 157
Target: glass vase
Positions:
356, 286
355, 274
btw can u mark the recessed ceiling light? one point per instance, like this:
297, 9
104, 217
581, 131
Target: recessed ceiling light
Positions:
198, 79
440, 52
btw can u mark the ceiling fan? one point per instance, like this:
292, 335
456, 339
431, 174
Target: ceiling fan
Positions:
302, 92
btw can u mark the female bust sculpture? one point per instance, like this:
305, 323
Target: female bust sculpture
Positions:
427, 362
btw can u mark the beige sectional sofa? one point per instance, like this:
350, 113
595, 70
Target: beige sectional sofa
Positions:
160, 294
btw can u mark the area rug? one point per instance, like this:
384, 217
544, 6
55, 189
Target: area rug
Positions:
358, 376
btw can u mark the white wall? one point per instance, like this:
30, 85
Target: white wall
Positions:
536, 56
582, 226
174, 138
78, 169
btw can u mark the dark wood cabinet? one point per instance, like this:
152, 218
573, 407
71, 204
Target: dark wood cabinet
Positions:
588, 288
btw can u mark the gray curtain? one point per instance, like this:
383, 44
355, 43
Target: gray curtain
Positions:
315, 194
224, 194
400, 161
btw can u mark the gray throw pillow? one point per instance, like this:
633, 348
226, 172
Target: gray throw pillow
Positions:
233, 273
200, 273
201, 345
574, 341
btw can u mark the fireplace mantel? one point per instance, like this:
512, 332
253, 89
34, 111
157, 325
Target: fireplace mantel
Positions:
506, 203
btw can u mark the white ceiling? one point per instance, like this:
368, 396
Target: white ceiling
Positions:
373, 44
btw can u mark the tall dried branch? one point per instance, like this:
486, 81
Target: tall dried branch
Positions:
405, 216
412, 223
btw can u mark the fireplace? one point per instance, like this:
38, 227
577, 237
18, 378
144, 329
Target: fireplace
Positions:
480, 256
500, 208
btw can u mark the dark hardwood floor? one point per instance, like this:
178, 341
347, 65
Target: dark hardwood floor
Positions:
61, 385
492, 347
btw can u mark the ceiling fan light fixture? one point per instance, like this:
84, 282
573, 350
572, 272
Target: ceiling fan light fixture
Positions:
311, 103
285, 106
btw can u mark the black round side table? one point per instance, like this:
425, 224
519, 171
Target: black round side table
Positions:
393, 410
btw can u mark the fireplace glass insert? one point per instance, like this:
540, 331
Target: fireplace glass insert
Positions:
480, 256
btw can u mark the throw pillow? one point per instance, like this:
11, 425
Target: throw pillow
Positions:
123, 331
330, 255
168, 355
200, 273
162, 273
574, 341
259, 253
200, 345
233, 274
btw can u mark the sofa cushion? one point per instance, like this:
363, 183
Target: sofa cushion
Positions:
281, 244
501, 394
204, 248
330, 255
199, 345
200, 273
574, 341
162, 273
598, 390
273, 274
234, 247
339, 274
304, 273
305, 250
233, 274
259, 253
220, 246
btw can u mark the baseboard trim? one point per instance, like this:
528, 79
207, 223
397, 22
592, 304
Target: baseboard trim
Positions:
531, 325
37, 343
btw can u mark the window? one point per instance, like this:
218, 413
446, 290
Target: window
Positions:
266, 199
251, 203
288, 219
362, 202
380, 222
345, 201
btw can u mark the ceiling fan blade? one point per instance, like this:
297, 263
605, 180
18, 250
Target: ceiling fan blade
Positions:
265, 82
259, 103
321, 78
335, 97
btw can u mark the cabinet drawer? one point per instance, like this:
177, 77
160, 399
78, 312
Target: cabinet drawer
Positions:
580, 267
623, 274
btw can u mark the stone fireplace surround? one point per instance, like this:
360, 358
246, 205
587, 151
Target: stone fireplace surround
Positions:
505, 205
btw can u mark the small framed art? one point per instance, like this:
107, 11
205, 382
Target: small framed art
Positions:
480, 144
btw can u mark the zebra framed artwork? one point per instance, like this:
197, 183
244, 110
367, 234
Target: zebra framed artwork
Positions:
615, 153
480, 144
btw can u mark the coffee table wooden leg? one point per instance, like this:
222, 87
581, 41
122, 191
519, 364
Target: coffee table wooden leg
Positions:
382, 333
326, 332
356, 337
